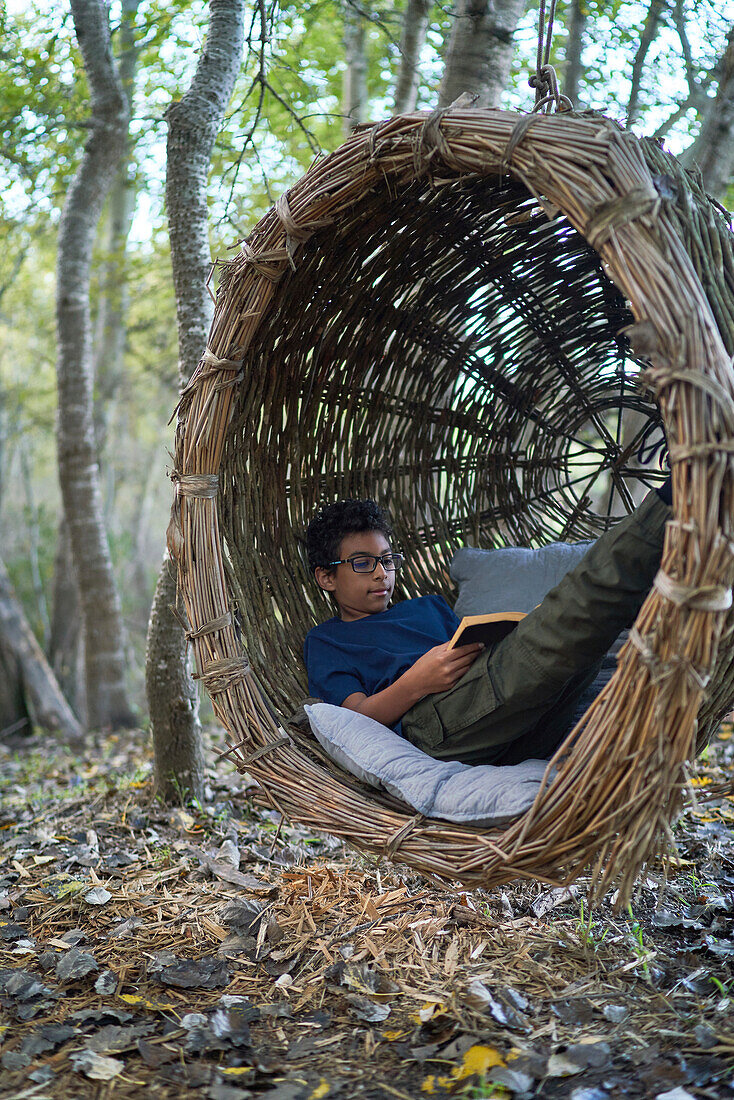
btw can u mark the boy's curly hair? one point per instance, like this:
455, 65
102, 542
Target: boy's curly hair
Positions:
332, 522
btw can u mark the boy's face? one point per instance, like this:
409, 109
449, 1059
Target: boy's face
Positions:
359, 594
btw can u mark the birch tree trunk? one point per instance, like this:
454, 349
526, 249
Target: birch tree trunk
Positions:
354, 87
713, 149
415, 25
480, 50
78, 468
193, 124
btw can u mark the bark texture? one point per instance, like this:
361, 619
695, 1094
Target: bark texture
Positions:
480, 50
415, 26
193, 124
174, 705
15, 718
78, 468
114, 299
39, 697
66, 640
354, 87
713, 149
576, 23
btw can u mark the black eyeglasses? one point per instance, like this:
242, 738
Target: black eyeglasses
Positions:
367, 563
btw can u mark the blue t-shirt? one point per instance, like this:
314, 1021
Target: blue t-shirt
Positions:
369, 654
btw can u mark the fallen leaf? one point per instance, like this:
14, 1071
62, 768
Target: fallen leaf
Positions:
106, 983
551, 899
365, 1009
477, 1061
96, 1066
75, 964
97, 896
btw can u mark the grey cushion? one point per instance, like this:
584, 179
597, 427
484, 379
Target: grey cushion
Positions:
515, 578
512, 578
479, 795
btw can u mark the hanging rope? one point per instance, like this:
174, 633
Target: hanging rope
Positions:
544, 79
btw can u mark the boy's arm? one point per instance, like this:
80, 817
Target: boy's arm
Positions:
437, 670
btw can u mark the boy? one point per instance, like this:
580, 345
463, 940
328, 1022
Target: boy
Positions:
509, 702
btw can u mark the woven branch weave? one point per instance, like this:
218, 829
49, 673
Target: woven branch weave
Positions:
422, 319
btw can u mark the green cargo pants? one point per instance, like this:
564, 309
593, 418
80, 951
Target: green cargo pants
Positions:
518, 698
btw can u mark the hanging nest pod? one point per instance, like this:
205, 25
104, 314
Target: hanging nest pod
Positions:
475, 317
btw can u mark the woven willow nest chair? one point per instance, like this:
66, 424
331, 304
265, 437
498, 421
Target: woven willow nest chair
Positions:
461, 314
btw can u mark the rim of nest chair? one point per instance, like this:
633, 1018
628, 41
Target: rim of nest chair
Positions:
609, 802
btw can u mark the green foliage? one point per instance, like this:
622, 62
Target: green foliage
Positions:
285, 110
610, 43
42, 109
591, 933
638, 942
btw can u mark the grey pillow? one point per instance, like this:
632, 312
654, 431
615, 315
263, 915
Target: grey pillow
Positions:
512, 578
480, 795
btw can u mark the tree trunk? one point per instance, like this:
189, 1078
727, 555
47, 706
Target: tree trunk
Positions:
15, 718
42, 697
66, 641
354, 87
193, 124
174, 704
713, 149
576, 25
415, 25
78, 468
649, 32
115, 293
480, 50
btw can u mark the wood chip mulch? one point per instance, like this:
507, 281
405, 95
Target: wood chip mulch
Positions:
213, 951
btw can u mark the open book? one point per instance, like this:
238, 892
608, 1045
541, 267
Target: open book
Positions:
486, 628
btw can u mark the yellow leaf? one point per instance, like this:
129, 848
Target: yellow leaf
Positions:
429, 1012
71, 887
477, 1061
234, 1071
394, 1036
154, 1006
321, 1090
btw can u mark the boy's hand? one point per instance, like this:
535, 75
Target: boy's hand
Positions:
440, 668
437, 670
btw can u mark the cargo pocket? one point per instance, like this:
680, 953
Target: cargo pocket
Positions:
421, 725
439, 716
472, 699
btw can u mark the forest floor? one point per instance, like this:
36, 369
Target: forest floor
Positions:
211, 951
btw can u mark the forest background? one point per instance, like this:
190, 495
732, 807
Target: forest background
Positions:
309, 71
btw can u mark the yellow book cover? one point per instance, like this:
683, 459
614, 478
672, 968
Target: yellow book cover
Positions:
486, 628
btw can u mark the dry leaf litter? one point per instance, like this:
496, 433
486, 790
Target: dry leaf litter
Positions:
215, 951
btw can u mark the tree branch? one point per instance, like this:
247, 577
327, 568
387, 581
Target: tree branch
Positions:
649, 32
